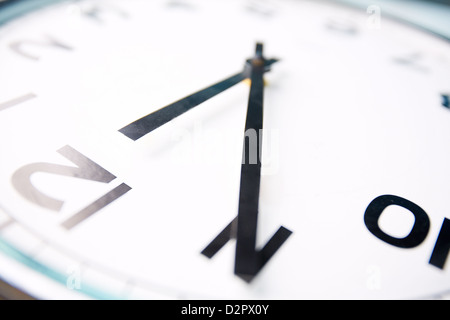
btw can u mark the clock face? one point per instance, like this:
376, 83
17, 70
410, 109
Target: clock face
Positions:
123, 172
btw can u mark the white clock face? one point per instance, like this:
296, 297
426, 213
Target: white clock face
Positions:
354, 161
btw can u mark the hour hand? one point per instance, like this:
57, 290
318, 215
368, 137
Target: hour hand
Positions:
152, 121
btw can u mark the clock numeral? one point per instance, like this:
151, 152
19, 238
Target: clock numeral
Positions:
442, 246
222, 238
96, 206
85, 169
16, 101
418, 233
98, 12
345, 27
182, 4
19, 47
262, 8
413, 61
445, 101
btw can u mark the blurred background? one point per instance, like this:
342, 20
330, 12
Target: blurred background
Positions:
432, 15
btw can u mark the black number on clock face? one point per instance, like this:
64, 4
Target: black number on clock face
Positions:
442, 246
28, 48
100, 12
262, 256
261, 8
180, 4
418, 233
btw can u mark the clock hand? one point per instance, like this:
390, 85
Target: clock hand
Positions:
152, 121
249, 261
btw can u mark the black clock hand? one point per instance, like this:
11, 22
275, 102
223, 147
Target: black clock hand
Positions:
150, 122
249, 261
145, 125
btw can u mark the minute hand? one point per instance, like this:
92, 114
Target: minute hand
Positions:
249, 261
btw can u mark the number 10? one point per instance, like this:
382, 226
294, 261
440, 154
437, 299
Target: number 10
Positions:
418, 232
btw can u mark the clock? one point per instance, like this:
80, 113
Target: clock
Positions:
193, 149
